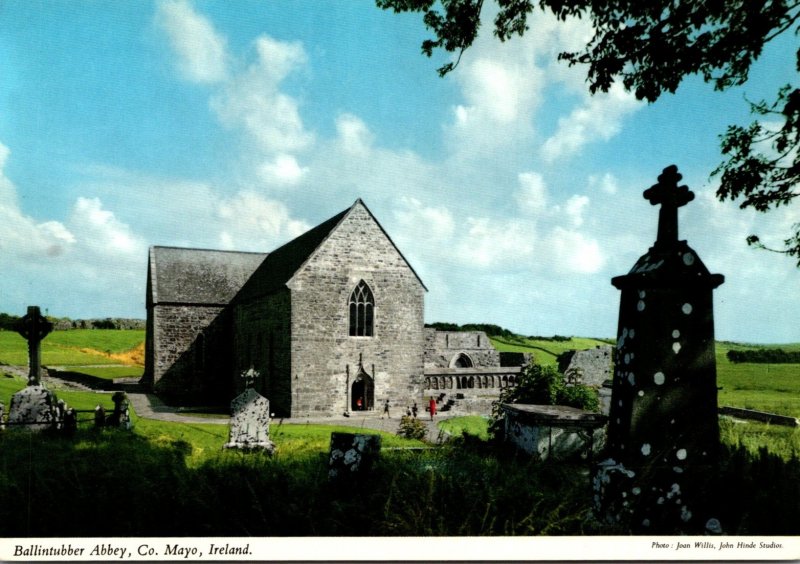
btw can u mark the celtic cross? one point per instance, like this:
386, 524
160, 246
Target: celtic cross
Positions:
33, 328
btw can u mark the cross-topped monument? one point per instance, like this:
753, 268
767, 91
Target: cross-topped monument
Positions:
671, 197
663, 433
34, 327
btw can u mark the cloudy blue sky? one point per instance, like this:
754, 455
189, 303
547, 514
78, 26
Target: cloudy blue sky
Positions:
239, 125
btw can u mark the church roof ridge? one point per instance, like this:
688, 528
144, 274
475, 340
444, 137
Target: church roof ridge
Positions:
204, 249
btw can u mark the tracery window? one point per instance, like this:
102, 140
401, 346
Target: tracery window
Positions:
362, 311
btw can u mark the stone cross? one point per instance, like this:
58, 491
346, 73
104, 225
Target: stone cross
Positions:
671, 197
250, 376
34, 327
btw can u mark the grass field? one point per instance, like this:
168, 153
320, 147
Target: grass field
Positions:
765, 387
76, 347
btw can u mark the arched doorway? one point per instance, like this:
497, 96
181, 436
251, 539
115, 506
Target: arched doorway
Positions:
461, 360
362, 391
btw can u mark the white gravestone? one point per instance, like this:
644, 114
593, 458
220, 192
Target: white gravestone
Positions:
249, 428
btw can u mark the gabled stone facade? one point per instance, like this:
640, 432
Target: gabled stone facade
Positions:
332, 322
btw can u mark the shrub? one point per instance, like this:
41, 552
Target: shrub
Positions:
412, 428
765, 356
543, 385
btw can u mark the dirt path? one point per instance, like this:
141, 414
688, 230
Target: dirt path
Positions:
151, 407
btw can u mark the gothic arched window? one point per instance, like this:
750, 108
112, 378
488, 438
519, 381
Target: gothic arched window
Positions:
362, 308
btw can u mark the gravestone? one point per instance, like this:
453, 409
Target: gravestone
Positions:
35, 407
249, 427
663, 433
121, 416
352, 455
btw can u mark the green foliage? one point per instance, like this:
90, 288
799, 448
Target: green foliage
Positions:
753, 436
764, 356
488, 328
543, 385
412, 428
651, 47
7, 322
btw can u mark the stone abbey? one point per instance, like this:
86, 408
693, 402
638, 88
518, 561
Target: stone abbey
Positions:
331, 322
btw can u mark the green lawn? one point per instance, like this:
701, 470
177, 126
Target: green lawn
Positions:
475, 425
64, 348
764, 387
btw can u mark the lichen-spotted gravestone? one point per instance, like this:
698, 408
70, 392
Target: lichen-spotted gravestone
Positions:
663, 433
352, 455
249, 427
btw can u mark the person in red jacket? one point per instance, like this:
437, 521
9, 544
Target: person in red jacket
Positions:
432, 408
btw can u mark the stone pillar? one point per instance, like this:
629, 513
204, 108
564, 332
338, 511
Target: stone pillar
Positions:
663, 433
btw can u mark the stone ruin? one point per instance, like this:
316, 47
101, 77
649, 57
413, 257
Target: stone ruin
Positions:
249, 426
663, 432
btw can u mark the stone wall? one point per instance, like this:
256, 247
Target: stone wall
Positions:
443, 347
325, 357
595, 365
183, 338
262, 340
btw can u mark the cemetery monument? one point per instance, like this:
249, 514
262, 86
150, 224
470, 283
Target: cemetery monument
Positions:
663, 433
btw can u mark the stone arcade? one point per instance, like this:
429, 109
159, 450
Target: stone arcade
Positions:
332, 322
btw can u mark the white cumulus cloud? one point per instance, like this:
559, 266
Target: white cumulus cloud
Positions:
202, 55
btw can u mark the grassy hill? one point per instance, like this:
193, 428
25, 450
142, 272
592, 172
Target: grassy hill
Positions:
78, 347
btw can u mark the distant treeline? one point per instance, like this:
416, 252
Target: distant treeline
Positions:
8, 321
765, 356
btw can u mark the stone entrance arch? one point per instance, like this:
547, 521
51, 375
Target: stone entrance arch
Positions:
362, 391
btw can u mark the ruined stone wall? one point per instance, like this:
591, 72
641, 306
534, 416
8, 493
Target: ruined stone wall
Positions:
442, 347
262, 340
180, 344
595, 365
323, 351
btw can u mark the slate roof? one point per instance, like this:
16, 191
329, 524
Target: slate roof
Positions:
204, 276
283, 262
198, 276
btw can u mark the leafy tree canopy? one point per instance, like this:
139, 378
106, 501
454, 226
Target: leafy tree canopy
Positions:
651, 46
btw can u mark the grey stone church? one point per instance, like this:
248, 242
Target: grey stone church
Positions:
330, 322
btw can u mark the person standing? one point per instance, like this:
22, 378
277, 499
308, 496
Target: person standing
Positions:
432, 408
386, 409
414, 410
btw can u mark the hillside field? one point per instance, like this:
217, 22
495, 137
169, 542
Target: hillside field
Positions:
765, 387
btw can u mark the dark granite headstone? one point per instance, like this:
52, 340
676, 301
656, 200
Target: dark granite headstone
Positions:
663, 433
